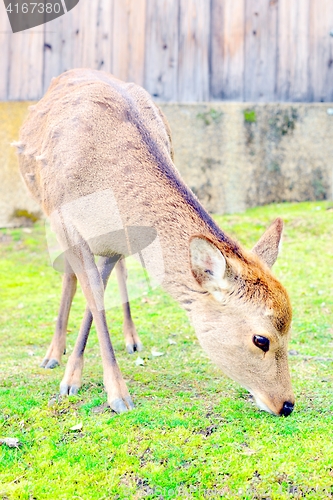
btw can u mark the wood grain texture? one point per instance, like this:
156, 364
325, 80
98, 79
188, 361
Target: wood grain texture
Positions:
227, 61
5, 40
58, 48
181, 50
193, 67
293, 43
321, 51
217, 50
128, 54
94, 26
161, 51
104, 34
81, 38
25, 72
260, 50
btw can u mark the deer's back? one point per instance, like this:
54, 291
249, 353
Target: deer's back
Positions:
89, 130
100, 150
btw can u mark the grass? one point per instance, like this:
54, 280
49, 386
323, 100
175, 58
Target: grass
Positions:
194, 433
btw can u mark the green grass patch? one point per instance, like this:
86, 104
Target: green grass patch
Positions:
193, 433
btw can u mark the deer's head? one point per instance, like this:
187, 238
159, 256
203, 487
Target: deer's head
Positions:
243, 317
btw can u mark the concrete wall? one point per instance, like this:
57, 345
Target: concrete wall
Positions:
13, 192
233, 155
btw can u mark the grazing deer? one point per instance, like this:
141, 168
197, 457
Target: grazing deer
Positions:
58, 344
96, 154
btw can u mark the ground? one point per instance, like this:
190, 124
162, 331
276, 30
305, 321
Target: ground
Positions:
194, 433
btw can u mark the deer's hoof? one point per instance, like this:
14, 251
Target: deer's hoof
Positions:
49, 364
131, 348
120, 405
68, 390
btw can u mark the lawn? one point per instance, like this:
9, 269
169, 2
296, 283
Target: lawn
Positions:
193, 433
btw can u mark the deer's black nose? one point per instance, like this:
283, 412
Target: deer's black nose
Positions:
287, 409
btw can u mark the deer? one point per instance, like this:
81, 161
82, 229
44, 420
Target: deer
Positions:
96, 154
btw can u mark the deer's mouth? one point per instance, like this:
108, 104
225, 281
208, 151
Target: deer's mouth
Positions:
284, 409
263, 406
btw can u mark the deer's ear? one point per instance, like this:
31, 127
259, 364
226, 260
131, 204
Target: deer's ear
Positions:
207, 265
268, 246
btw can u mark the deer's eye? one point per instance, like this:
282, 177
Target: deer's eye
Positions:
261, 342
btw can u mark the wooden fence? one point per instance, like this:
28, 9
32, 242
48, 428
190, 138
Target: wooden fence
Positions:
181, 50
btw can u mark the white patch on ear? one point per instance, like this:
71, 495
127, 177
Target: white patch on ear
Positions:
208, 267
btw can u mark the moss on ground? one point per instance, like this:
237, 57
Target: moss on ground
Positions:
194, 433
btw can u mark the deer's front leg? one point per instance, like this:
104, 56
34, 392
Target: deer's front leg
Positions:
71, 381
82, 262
58, 344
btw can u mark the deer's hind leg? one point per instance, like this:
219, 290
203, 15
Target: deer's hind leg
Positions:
132, 339
69, 284
58, 344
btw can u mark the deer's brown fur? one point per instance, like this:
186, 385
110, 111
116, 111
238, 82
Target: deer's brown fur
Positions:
95, 152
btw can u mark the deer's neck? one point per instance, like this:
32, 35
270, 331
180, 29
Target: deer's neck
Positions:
167, 205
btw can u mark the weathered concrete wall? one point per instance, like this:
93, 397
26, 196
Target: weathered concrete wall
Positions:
13, 193
233, 155
236, 155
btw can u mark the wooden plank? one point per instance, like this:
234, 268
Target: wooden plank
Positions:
57, 48
260, 50
104, 35
217, 77
227, 58
161, 50
194, 41
93, 28
5, 39
81, 38
321, 50
284, 35
300, 24
26, 64
129, 40
293, 49
84, 35
137, 30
